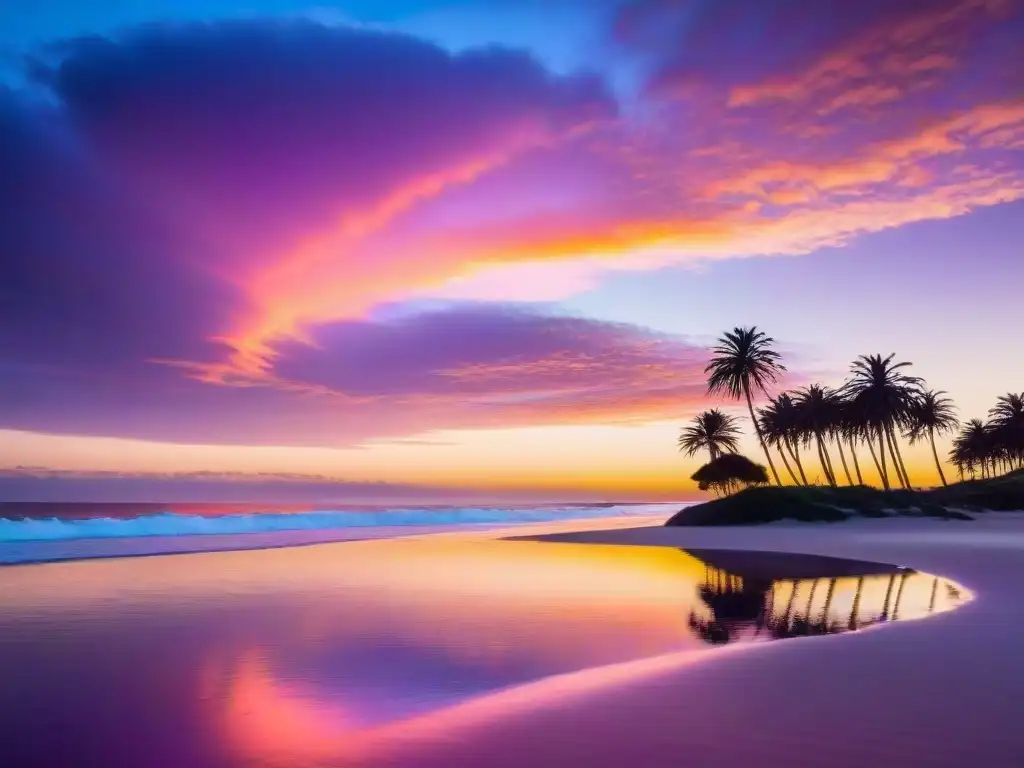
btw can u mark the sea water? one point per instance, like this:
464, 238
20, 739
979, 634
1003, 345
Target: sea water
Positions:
43, 532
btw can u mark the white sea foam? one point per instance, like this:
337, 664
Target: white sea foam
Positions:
176, 524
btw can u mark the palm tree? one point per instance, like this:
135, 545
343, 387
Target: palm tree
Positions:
1006, 420
744, 360
849, 428
836, 415
882, 395
972, 447
778, 425
815, 409
712, 430
931, 412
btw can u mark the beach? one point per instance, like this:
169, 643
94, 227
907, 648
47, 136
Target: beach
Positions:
463, 648
938, 692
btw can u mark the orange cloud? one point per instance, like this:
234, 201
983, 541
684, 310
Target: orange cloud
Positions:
309, 285
944, 169
990, 126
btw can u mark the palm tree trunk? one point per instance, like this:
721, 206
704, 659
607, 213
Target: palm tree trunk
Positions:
824, 464
895, 463
938, 464
829, 470
897, 458
828, 459
874, 456
856, 464
842, 457
881, 450
760, 437
785, 461
795, 453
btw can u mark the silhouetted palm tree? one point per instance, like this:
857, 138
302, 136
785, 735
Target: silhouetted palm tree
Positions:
778, 425
849, 428
713, 431
1006, 420
788, 415
815, 417
931, 413
836, 412
882, 397
972, 447
744, 361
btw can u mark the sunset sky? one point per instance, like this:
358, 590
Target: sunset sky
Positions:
480, 247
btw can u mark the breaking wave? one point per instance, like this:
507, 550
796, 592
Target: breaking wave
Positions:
177, 524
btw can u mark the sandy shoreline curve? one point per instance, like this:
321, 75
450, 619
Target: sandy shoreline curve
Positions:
939, 692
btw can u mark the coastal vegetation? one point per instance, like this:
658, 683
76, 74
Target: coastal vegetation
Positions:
866, 418
826, 504
728, 473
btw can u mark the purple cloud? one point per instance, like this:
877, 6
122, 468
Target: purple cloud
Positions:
89, 277
261, 131
490, 350
694, 43
39, 492
460, 367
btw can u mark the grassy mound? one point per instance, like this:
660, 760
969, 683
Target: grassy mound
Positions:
823, 504
1001, 494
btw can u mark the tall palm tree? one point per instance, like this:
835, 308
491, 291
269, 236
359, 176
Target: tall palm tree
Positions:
1007, 424
713, 431
778, 425
815, 408
882, 395
788, 414
744, 361
931, 412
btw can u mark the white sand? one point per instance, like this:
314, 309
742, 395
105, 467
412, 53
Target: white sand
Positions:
944, 691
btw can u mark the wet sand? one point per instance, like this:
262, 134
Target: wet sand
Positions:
936, 692
943, 691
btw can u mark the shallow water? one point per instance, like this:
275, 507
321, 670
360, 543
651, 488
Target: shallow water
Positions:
353, 654
41, 532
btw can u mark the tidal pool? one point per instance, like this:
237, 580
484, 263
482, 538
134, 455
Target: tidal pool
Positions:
346, 654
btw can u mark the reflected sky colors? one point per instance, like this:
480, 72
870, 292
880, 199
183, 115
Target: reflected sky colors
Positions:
357, 653
483, 246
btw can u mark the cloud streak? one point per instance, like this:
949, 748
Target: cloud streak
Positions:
461, 367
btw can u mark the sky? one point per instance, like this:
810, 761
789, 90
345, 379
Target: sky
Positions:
481, 248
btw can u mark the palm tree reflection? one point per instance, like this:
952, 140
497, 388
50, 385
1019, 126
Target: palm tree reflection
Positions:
746, 606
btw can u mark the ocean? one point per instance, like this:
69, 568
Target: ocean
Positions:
43, 531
